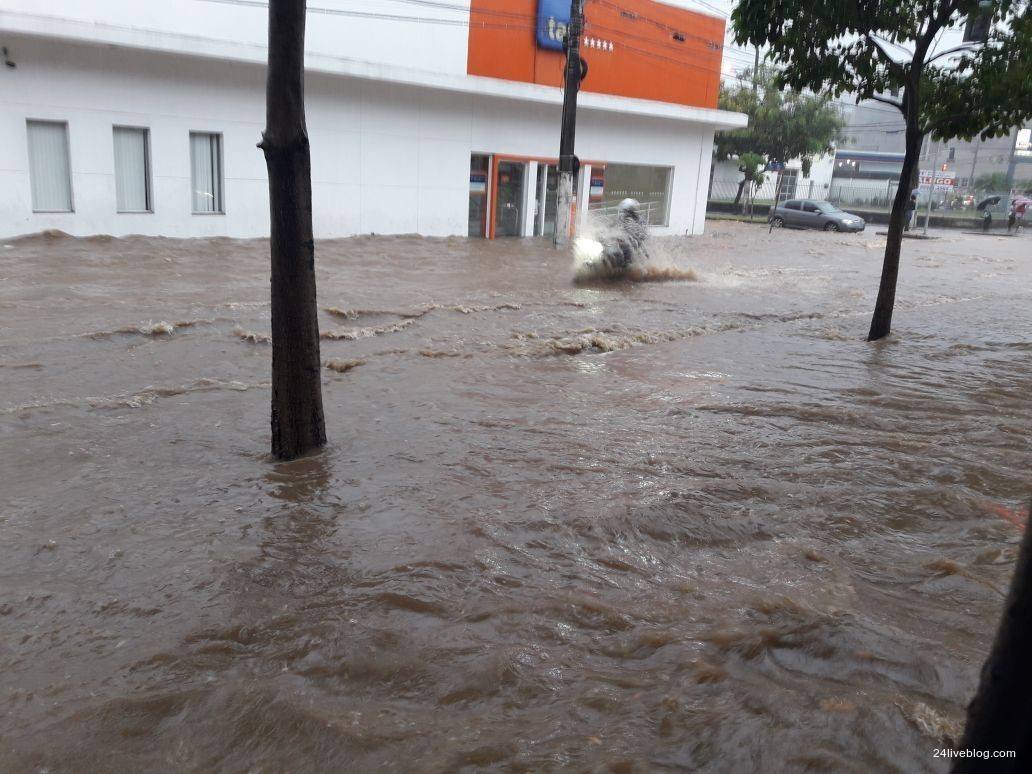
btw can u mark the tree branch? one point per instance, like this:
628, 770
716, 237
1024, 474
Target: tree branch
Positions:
935, 24
893, 65
888, 101
954, 50
891, 43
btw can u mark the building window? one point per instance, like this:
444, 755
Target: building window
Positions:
206, 172
649, 185
132, 169
49, 167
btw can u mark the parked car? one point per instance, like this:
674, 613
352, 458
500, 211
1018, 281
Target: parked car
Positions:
809, 213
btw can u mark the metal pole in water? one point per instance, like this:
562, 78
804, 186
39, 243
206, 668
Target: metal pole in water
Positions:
931, 190
567, 160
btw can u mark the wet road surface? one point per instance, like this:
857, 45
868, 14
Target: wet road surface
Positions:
697, 524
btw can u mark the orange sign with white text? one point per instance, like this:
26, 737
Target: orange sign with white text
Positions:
633, 48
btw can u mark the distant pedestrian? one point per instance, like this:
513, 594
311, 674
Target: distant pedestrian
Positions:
1012, 216
911, 211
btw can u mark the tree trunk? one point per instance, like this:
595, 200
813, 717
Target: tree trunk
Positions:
881, 322
741, 187
777, 201
297, 412
1000, 715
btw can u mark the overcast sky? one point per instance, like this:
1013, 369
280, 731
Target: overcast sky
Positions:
738, 58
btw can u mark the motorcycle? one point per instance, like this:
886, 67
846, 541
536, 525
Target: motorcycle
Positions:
617, 251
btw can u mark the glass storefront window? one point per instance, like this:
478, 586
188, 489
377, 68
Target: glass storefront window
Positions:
649, 185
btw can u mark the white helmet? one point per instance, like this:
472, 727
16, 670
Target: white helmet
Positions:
629, 206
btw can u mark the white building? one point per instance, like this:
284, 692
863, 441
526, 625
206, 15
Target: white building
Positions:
142, 117
794, 184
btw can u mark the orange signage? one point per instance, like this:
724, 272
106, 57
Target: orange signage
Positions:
633, 48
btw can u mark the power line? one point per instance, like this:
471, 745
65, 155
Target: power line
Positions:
713, 8
403, 18
631, 36
680, 32
630, 14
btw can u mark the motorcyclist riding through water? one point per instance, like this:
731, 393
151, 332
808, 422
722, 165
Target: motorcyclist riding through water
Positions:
628, 245
615, 247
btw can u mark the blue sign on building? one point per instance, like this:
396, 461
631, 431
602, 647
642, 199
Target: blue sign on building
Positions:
553, 20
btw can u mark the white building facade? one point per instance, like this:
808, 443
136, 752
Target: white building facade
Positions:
124, 117
794, 184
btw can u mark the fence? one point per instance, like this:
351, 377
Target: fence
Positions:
957, 203
726, 191
653, 213
867, 197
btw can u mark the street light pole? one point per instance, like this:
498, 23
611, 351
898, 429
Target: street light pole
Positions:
567, 160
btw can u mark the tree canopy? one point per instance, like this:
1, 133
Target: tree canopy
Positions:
783, 125
889, 51
874, 49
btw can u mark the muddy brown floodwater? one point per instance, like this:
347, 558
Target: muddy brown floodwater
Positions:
631, 527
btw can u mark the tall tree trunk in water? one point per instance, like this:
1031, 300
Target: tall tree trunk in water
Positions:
1000, 715
881, 322
297, 411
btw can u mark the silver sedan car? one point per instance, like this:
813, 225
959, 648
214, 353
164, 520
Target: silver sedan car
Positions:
809, 213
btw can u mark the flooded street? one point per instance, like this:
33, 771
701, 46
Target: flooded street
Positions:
650, 526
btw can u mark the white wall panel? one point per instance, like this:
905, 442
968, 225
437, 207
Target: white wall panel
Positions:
443, 163
443, 211
336, 156
389, 209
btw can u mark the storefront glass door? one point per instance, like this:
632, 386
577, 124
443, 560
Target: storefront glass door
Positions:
479, 170
509, 201
547, 185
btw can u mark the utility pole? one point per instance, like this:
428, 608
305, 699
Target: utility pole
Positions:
756, 70
974, 165
931, 188
568, 164
1012, 163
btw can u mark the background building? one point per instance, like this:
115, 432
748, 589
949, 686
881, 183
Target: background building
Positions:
435, 118
869, 160
864, 170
